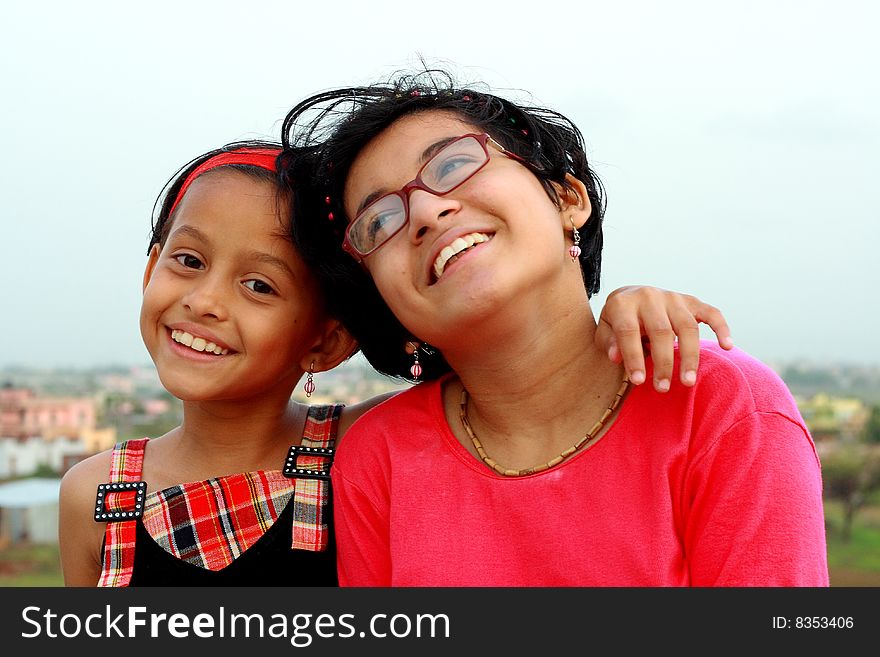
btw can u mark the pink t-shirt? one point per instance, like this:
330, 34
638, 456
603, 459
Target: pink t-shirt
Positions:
715, 485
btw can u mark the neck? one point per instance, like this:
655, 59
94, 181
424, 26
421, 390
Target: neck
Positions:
522, 355
537, 390
218, 438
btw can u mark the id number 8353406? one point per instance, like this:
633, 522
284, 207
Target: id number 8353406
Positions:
813, 622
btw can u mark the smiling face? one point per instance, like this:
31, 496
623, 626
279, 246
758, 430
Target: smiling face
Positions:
229, 311
496, 241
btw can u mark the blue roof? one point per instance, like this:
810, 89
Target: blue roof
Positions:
25, 493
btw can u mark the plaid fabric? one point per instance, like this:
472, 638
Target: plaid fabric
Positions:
126, 463
210, 523
310, 510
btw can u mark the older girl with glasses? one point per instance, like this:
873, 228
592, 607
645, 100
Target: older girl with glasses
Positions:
460, 235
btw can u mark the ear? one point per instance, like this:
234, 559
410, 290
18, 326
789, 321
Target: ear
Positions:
574, 203
151, 265
332, 346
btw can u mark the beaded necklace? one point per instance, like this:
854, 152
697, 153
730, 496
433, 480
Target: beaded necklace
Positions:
508, 472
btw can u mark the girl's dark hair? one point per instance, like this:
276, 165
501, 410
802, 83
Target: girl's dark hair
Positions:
323, 135
162, 215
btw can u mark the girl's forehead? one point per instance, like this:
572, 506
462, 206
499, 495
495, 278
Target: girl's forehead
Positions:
226, 195
397, 149
423, 128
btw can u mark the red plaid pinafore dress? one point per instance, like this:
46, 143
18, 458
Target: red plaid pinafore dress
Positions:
265, 528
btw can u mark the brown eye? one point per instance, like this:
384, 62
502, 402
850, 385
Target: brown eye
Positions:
258, 286
189, 261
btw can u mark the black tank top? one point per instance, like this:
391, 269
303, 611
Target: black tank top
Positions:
268, 562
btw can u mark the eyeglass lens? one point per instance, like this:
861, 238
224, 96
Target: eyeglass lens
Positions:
450, 167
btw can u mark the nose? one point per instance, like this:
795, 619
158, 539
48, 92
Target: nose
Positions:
427, 211
206, 298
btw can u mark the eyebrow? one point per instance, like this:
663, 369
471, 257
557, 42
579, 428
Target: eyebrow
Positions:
258, 256
189, 231
426, 155
272, 261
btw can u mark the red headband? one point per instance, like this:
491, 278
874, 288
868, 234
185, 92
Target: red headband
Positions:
258, 157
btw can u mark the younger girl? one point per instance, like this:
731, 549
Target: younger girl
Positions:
232, 318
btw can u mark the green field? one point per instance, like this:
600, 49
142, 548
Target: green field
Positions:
35, 565
856, 563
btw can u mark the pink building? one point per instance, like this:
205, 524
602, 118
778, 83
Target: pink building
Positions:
23, 414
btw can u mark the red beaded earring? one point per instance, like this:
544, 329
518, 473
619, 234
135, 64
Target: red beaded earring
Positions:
416, 368
309, 387
574, 250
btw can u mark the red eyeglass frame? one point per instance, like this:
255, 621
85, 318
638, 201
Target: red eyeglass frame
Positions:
403, 193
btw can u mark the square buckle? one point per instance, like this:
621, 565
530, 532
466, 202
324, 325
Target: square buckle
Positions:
292, 471
103, 514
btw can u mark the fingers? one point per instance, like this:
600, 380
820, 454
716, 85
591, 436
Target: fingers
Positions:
687, 329
606, 341
639, 319
660, 335
629, 349
710, 315
619, 333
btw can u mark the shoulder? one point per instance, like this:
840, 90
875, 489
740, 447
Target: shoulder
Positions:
743, 381
81, 481
353, 412
416, 403
79, 536
392, 423
741, 407
83, 478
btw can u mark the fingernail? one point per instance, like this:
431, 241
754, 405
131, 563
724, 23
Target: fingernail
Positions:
637, 377
728, 342
689, 378
662, 385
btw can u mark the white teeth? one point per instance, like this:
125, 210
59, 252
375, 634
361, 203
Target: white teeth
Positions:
185, 338
457, 246
199, 344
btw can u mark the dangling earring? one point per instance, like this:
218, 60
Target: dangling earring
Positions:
416, 369
309, 387
574, 250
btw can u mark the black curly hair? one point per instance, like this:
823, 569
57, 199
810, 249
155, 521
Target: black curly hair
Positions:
322, 136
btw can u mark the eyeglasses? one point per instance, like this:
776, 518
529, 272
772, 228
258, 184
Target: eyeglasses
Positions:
452, 166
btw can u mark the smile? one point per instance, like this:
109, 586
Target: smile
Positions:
451, 253
198, 344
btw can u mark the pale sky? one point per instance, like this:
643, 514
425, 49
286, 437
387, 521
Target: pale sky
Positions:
737, 142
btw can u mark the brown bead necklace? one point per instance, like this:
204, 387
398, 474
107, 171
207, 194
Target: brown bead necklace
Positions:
586, 440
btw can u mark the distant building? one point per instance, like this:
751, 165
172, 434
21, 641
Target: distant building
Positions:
23, 414
29, 511
47, 432
23, 458
838, 418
